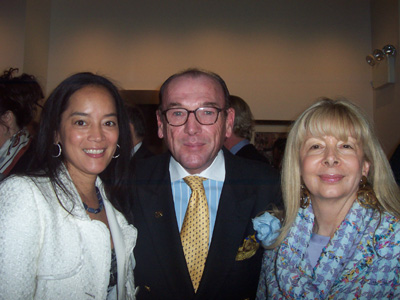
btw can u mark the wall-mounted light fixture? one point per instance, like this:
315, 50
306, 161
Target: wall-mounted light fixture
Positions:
383, 65
389, 50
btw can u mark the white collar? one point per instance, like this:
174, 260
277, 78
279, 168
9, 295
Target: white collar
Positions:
136, 147
216, 171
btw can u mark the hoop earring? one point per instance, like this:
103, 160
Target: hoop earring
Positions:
366, 196
116, 156
304, 197
59, 150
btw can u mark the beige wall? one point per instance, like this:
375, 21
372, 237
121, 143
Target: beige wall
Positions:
386, 104
278, 55
37, 39
12, 34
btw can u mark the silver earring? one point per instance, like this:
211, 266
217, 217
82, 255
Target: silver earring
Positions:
116, 156
59, 150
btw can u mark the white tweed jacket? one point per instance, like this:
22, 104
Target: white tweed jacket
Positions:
48, 253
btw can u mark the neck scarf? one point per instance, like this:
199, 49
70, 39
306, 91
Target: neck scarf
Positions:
296, 277
12, 150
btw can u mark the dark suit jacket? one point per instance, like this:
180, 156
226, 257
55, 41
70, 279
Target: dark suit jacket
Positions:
143, 152
161, 271
250, 152
395, 164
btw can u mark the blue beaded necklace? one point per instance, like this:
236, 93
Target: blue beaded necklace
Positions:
101, 204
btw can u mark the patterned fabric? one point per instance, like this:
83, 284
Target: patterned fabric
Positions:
195, 231
12, 150
181, 194
361, 261
113, 269
112, 285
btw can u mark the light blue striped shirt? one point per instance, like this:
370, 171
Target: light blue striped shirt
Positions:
235, 149
181, 192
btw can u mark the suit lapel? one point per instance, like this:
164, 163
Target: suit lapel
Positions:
159, 213
234, 212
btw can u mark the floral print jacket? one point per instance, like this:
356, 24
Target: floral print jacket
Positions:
361, 261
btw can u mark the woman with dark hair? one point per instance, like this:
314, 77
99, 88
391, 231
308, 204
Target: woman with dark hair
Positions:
341, 233
61, 238
19, 98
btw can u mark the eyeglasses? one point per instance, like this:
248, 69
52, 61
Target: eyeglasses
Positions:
204, 115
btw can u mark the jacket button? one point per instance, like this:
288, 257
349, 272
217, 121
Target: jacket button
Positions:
147, 288
158, 214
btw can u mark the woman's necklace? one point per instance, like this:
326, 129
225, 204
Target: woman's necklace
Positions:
101, 204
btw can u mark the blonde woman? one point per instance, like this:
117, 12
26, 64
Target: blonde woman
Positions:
341, 236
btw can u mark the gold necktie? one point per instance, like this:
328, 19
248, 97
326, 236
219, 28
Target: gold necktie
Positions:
195, 231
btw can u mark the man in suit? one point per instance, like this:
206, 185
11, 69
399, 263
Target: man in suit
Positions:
243, 127
194, 118
137, 126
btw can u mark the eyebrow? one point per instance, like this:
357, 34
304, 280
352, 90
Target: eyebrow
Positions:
173, 104
205, 104
77, 113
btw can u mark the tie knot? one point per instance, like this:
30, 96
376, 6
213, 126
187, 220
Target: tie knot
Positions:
195, 182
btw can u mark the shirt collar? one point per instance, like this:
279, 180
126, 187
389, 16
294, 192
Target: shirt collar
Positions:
216, 171
135, 148
235, 149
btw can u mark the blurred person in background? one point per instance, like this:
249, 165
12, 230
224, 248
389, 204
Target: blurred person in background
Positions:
137, 125
395, 164
19, 97
243, 127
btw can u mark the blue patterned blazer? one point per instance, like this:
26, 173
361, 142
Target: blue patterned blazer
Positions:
361, 261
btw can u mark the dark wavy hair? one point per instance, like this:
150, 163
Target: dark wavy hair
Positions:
20, 95
45, 164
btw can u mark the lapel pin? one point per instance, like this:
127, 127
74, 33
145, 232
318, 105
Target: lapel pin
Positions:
158, 214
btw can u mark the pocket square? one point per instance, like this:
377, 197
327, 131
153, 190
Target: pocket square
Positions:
248, 249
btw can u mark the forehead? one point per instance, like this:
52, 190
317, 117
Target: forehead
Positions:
193, 92
341, 129
89, 96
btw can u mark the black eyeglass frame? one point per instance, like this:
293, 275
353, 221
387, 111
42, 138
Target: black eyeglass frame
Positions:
164, 112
